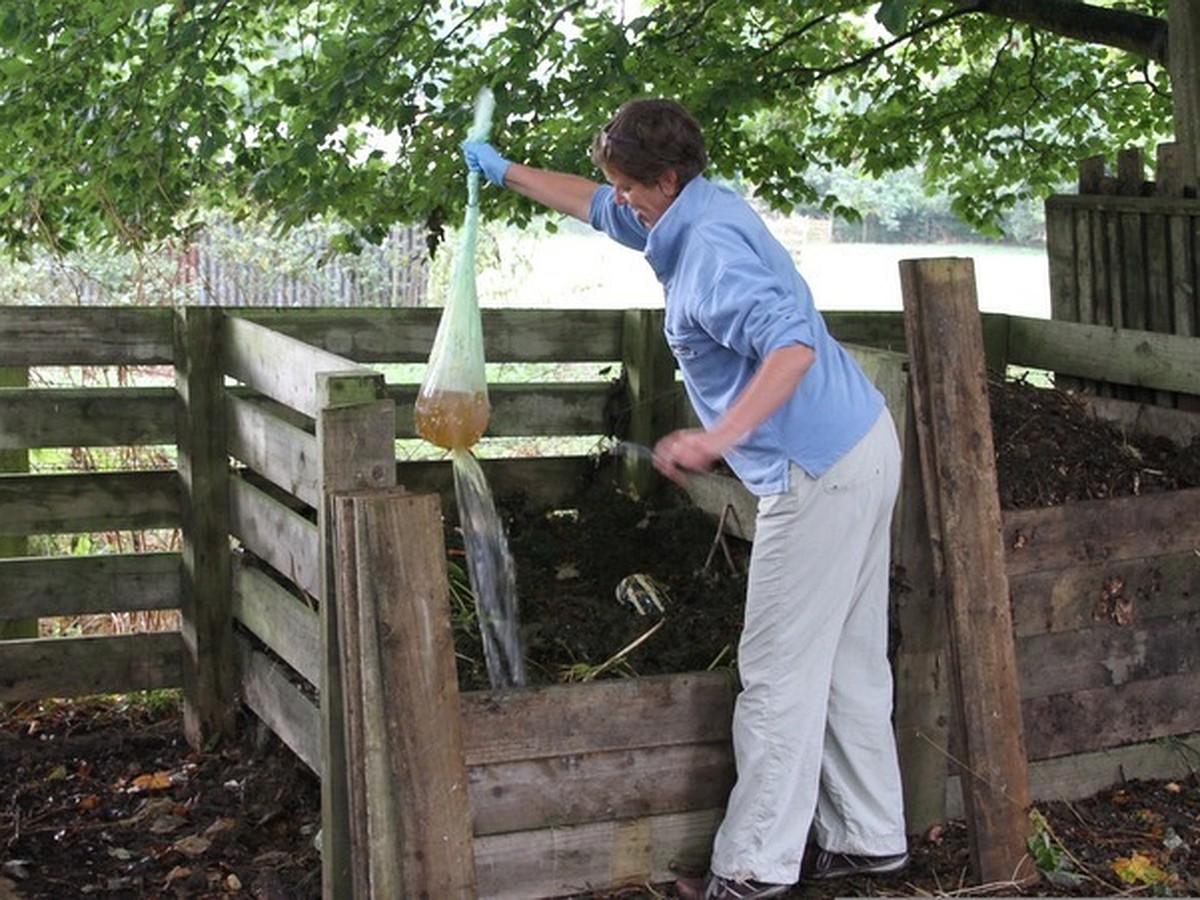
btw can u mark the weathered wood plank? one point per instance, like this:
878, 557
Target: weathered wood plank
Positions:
923, 707
1115, 203
406, 335
96, 501
356, 449
958, 465
82, 666
1066, 242
402, 725
529, 409
1080, 595
1140, 358
86, 417
282, 367
1180, 426
1081, 775
1134, 313
1108, 655
881, 330
1184, 276
1094, 531
85, 336
546, 482
593, 787
558, 862
206, 621
42, 587
1104, 717
565, 720
12, 625
274, 447
278, 699
279, 536
287, 626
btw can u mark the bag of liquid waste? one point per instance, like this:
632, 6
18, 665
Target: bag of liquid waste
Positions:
452, 409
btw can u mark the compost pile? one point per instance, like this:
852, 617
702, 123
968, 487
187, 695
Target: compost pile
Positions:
105, 798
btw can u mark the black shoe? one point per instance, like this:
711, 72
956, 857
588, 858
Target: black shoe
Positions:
831, 865
714, 887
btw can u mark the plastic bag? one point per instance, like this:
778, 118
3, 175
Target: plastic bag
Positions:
452, 408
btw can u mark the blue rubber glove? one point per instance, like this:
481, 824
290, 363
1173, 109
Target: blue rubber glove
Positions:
484, 158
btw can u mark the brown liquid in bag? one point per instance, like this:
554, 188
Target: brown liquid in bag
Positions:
452, 419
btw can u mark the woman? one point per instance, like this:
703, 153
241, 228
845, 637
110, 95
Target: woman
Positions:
805, 430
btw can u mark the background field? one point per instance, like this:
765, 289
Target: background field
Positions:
575, 268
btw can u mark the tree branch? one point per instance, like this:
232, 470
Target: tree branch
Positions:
1119, 28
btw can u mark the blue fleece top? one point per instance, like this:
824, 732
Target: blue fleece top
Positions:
733, 295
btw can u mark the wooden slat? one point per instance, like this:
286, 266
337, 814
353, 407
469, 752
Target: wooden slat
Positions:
281, 367
1113, 203
1108, 655
1144, 359
1080, 594
82, 666
1180, 426
86, 417
278, 699
42, 587
881, 330
97, 501
1133, 272
85, 336
406, 335
1184, 277
528, 409
1093, 531
564, 720
560, 862
1066, 258
288, 627
279, 536
1082, 775
545, 482
273, 446
593, 787
1104, 717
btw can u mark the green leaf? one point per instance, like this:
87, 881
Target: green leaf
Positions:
893, 15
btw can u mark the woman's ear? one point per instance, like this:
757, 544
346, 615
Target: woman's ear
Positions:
668, 183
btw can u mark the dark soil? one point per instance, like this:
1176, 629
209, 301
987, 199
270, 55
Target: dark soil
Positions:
105, 798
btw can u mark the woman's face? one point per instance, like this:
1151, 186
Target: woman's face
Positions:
648, 201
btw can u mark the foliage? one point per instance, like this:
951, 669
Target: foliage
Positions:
122, 119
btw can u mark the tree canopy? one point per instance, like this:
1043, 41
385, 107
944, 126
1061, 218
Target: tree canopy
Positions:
121, 119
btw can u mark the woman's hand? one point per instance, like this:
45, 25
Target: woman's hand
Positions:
684, 451
483, 157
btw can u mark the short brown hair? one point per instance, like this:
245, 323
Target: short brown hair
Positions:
646, 138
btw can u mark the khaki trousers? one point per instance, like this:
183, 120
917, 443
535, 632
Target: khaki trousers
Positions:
812, 730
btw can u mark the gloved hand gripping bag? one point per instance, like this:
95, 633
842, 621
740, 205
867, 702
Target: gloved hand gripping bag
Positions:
452, 408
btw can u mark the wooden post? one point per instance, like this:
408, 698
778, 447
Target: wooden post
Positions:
206, 601
954, 431
1183, 23
356, 430
15, 461
413, 831
652, 392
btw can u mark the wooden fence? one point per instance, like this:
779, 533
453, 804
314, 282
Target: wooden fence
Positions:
289, 398
1125, 252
